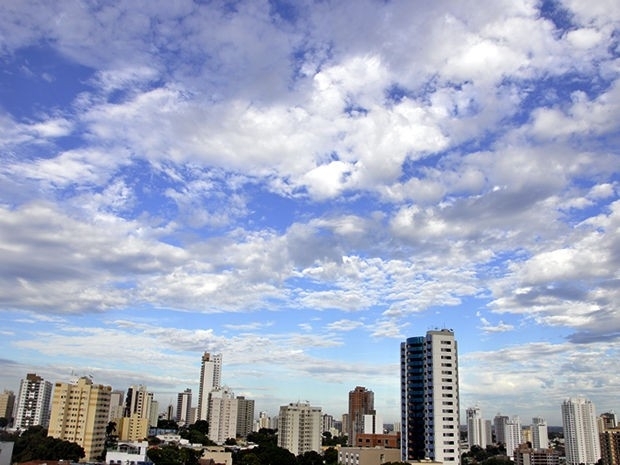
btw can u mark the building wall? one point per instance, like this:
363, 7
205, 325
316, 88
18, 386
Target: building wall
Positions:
430, 398
610, 446
512, 434
581, 438
210, 379
367, 455
33, 402
80, 414
540, 433
476, 434
245, 416
390, 441
127, 453
524, 455
7, 400
133, 428
361, 403
299, 428
184, 407
222, 415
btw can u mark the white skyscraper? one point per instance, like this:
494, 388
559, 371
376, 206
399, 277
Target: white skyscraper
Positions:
512, 434
210, 379
222, 415
33, 402
299, 428
184, 407
580, 432
540, 436
476, 433
430, 398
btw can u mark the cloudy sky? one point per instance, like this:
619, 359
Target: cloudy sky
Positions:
301, 185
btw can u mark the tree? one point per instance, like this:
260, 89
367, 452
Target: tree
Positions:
310, 458
174, 455
331, 456
4, 422
35, 444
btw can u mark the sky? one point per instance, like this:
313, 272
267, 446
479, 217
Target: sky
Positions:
302, 185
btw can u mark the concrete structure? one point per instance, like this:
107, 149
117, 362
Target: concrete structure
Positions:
430, 398
391, 440
367, 455
512, 433
488, 431
6, 453
117, 405
216, 455
299, 428
210, 379
498, 426
540, 433
607, 420
138, 402
7, 400
222, 415
610, 446
133, 428
581, 438
80, 414
245, 416
154, 414
184, 407
33, 402
128, 453
476, 434
524, 455
361, 403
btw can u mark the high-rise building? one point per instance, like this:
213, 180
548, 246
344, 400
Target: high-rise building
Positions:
210, 379
430, 398
184, 407
512, 433
499, 423
581, 438
33, 402
138, 402
222, 415
540, 433
80, 414
154, 414
299, 428
117, 407
7, 400
607, 420
476, 434
361, 402
245, 416
610, 446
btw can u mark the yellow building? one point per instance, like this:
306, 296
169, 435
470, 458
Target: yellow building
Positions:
133, 428
80, 415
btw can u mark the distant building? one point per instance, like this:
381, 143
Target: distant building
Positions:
133, 428
327, 423
128, 453
367, 455
581, 438
512, 433
607, 420
430, 398
33, 402
184, 407
117, 405
80, 413
476, 434
216, 455
361, 403
524, 455
540, 434
138, 402
222, 415
7, 400
610, 446
210, 379
499, 423
390, 441
299, 428
154, 414
245, 416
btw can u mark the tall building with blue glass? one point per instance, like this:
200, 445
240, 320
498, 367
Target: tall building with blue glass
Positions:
430, 397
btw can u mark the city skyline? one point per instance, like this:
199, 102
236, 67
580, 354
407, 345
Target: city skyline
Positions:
300, 186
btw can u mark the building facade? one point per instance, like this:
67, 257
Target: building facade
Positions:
524, 455
581, 436
512, 434
430, 398
7, 401
222, 415
33, 402
610, 446
476, 434
367, 455
361, 403
80, 414
245, 416
540, 433
210, 379
299, 428
184, 407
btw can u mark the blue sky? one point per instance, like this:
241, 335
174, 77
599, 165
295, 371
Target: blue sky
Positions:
302, 185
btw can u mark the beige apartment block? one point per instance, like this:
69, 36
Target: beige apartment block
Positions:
80, 414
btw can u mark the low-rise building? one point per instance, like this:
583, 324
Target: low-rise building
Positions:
128, 453
374, 440
524, 455
367, 455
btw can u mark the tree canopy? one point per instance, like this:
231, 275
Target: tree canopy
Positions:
35, 444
